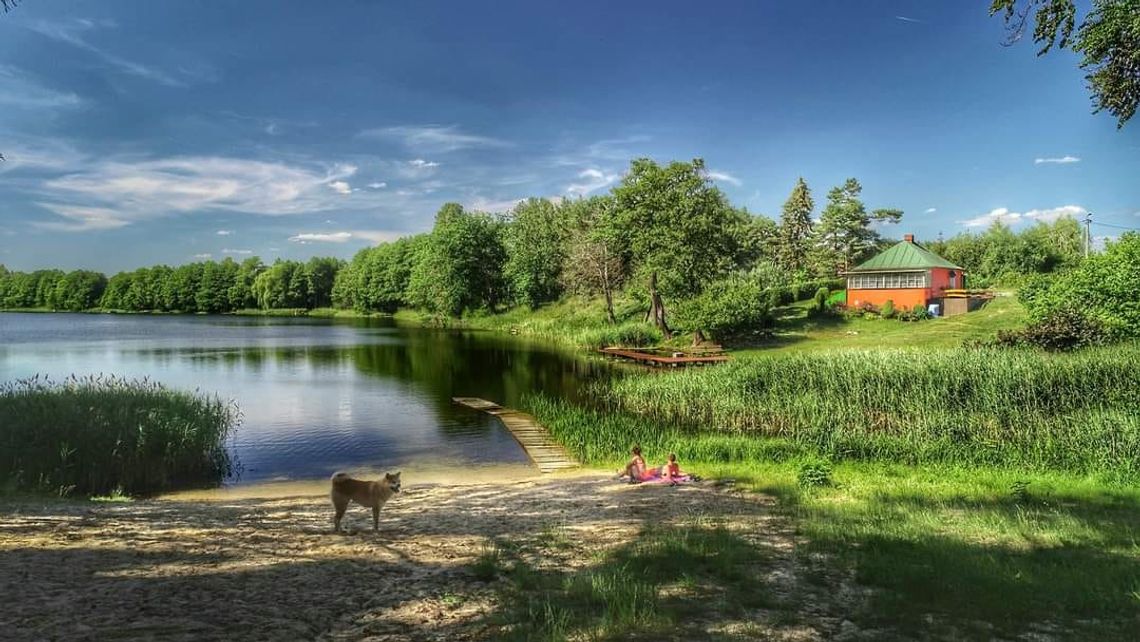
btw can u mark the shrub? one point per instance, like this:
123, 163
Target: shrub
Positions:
99, 435
888, 310
1059, 330
814, 474
916, 313
820, 301
727, 309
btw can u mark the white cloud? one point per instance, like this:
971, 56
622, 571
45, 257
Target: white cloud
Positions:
433, 138
419, 162
592, 180
224, 232
1063, 160
149, 188
70, 33
907, 19
330, 237
380, 185
377, 236
82, 219
18, 89
1005, 216
238, 252
723, 176
203, 256
481, 204
340, 187
931, 210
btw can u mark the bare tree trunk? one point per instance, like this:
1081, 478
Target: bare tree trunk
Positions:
698, 338
657, 307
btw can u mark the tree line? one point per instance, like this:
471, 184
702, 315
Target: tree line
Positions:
665, 236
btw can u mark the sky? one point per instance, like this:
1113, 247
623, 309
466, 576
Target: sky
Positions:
143, 133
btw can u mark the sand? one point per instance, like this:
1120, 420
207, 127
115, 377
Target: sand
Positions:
264, 564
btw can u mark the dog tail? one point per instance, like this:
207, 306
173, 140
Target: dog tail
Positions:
338, 478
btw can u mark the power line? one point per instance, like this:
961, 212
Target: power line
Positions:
1119, 227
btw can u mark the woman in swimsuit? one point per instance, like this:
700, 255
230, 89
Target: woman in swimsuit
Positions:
635, 469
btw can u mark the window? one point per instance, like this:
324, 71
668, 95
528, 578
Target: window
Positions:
887, 280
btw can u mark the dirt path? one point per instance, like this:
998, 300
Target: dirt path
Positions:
270, 568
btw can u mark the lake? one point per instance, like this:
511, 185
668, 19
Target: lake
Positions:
316, 395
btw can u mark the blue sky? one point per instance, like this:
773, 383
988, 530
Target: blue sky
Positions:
142, 133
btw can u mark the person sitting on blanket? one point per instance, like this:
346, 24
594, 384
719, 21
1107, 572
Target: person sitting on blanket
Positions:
635, 469
672, 470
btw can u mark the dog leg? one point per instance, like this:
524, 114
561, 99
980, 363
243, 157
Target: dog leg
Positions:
375, 518
341, 506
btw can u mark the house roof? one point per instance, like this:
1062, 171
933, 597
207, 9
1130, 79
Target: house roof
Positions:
906, 255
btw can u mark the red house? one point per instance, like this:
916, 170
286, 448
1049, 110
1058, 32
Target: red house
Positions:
907, 274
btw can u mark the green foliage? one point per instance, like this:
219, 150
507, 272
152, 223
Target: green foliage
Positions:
377, 278
796, 228
535, 245
460, 267
820, 301
814, 473
1108, 38
998, 256
727, 309
104, 435
888, 310
1078, 412
1106, 287
673, 221
1058, 330
844, 235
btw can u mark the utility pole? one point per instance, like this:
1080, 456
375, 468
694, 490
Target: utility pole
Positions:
1088, 233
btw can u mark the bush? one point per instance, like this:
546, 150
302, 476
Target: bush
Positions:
728, 308
814, 474
888, 310
1105, 286
916, 313
1059, 330
820, 299
103, 435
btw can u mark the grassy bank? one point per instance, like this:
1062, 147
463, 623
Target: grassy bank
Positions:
959, 551
96, 436
1074, 412
575, 322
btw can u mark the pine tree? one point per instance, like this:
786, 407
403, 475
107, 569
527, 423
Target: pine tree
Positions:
844, 234
796, 228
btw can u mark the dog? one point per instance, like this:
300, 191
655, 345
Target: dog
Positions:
365, 493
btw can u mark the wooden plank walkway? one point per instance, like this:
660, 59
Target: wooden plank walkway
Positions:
546, 454
660, 360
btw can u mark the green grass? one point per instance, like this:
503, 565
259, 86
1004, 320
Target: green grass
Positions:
110, 436
1074, 412
951, 551
644, 590
575, 322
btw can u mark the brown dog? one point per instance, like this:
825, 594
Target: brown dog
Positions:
365, 493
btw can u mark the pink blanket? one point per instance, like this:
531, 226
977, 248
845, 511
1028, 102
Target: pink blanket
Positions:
655, 477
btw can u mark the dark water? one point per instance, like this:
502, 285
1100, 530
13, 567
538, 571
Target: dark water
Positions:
316, 395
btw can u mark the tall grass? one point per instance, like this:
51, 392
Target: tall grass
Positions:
1076, 412
99, 435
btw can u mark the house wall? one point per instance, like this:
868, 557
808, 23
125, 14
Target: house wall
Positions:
940, 280
903, 299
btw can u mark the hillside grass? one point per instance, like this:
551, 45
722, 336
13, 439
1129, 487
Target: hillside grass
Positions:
952, 551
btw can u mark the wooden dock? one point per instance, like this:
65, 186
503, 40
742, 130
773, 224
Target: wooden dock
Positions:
662, 360
546, 454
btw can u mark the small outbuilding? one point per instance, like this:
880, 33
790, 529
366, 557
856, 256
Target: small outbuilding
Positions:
906, 274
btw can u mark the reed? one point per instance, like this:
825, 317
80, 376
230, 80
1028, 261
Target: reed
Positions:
100, 435
1078, 413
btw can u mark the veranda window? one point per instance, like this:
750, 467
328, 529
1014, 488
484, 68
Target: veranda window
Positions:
887, 280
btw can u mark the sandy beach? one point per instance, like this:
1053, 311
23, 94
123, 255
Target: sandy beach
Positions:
232, 566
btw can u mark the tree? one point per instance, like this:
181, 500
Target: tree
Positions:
844, 234
796, 228
320, 272
535, 239
460, 266
240, 293
594, 261
1108, 39
678, 229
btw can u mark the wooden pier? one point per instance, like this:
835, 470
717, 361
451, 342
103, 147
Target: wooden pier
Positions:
546, 454
662, 360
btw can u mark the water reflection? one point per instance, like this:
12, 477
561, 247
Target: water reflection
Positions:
316, 395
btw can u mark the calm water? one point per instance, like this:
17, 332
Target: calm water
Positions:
316, 395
